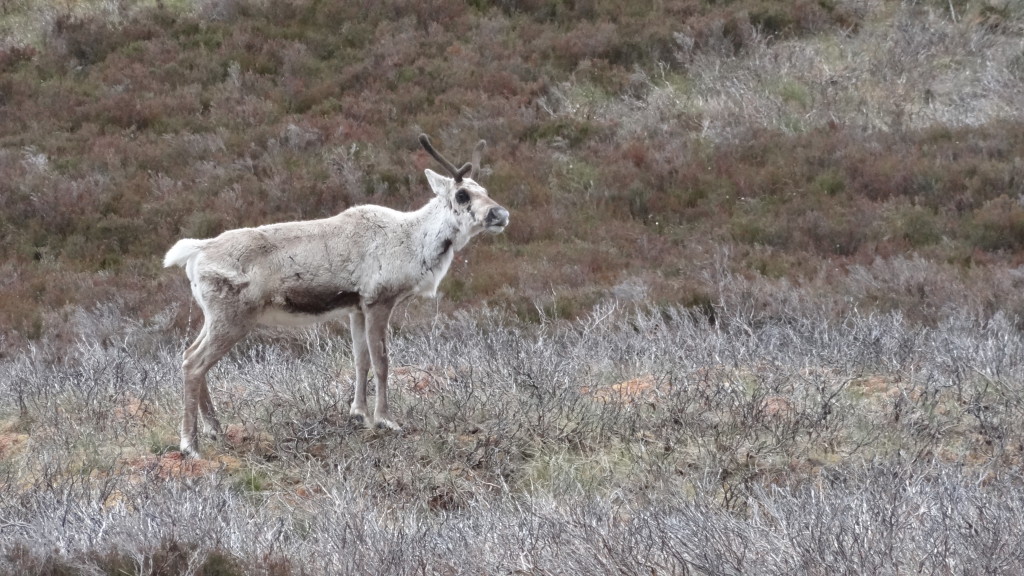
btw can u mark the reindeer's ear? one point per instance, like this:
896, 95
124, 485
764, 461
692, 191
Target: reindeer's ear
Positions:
439, 184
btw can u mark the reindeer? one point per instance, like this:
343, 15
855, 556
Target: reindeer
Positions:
359, 263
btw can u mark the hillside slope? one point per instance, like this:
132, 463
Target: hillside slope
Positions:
643, 151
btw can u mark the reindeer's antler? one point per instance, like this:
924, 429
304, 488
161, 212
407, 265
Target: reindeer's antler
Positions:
457, 173
476, 158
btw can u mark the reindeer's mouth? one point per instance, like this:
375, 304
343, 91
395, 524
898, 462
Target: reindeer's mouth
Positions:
497, 220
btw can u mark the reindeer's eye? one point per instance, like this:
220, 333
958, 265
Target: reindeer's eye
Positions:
462, 196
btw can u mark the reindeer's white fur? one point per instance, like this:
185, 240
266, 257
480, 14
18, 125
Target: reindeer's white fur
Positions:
359, 263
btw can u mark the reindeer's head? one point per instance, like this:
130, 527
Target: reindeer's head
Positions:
469, 201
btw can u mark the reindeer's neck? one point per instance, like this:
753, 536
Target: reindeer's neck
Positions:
436, 229
435, 233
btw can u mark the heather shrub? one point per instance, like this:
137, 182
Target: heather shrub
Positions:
13, 56
639, 138
918, 226
998, 225
84, 40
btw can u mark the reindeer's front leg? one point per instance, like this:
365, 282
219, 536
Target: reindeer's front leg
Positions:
377, 317
361, 354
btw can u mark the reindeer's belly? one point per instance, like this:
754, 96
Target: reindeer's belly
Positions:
302, 307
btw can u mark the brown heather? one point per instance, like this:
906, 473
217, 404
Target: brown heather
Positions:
759, 309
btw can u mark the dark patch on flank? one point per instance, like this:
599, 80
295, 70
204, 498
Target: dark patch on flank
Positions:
446, 245
318, 302
223, 286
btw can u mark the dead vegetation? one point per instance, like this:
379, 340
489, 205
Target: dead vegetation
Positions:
630, 440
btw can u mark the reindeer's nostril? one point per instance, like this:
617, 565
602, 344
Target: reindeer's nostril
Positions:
497, 216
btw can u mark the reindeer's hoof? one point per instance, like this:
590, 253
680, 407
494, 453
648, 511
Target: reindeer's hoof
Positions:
358, 416
214, 430
386, 424
188, 451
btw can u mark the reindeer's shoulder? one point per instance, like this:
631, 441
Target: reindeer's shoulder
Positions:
371, 212
374, 223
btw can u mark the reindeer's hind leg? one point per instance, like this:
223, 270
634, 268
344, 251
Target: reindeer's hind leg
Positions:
205, 403
213, 343
207, 410
361, 355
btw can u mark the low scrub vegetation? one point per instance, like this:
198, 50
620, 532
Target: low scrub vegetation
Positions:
627, 441
758, 309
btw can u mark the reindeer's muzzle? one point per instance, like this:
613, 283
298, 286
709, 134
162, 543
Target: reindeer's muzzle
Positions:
497, 219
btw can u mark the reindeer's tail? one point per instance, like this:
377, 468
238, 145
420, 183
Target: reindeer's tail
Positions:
182, 252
